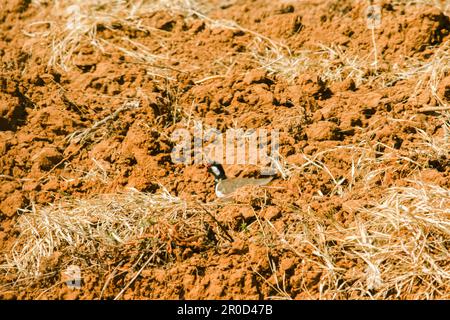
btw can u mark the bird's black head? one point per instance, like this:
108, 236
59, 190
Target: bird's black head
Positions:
217, 171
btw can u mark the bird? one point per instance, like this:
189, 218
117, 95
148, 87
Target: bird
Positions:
226, 187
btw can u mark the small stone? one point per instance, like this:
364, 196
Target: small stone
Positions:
271, 213
247, 213
31, 186
255, 76
323, 130
350, 120
47, 159
238, 247
4, 146
51, 185
12, 203
8, 187
288, 264
444, 89
258, 256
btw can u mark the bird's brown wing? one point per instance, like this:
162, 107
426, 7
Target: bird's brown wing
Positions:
231, 185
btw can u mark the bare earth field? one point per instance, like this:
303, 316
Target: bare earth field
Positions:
91, 92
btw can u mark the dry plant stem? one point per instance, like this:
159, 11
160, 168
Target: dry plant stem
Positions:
48, 289
432, 108
229, 238
8, 177
79, 137
209, 78
58, 164
375, 51
138, 273
109, 278
284, 294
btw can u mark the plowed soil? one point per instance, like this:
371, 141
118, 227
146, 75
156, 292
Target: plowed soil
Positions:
332, 102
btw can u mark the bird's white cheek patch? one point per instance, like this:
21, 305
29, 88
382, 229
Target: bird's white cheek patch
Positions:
216, 171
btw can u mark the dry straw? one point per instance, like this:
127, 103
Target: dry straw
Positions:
396, 247
80, 228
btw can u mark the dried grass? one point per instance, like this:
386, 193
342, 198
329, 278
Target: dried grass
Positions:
72, 24
443, 5
83, 228
331, 63
429, 73
397, 247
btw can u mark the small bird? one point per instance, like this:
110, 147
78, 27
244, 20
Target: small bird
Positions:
225, 187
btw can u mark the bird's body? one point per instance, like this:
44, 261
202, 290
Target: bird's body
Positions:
226, 187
